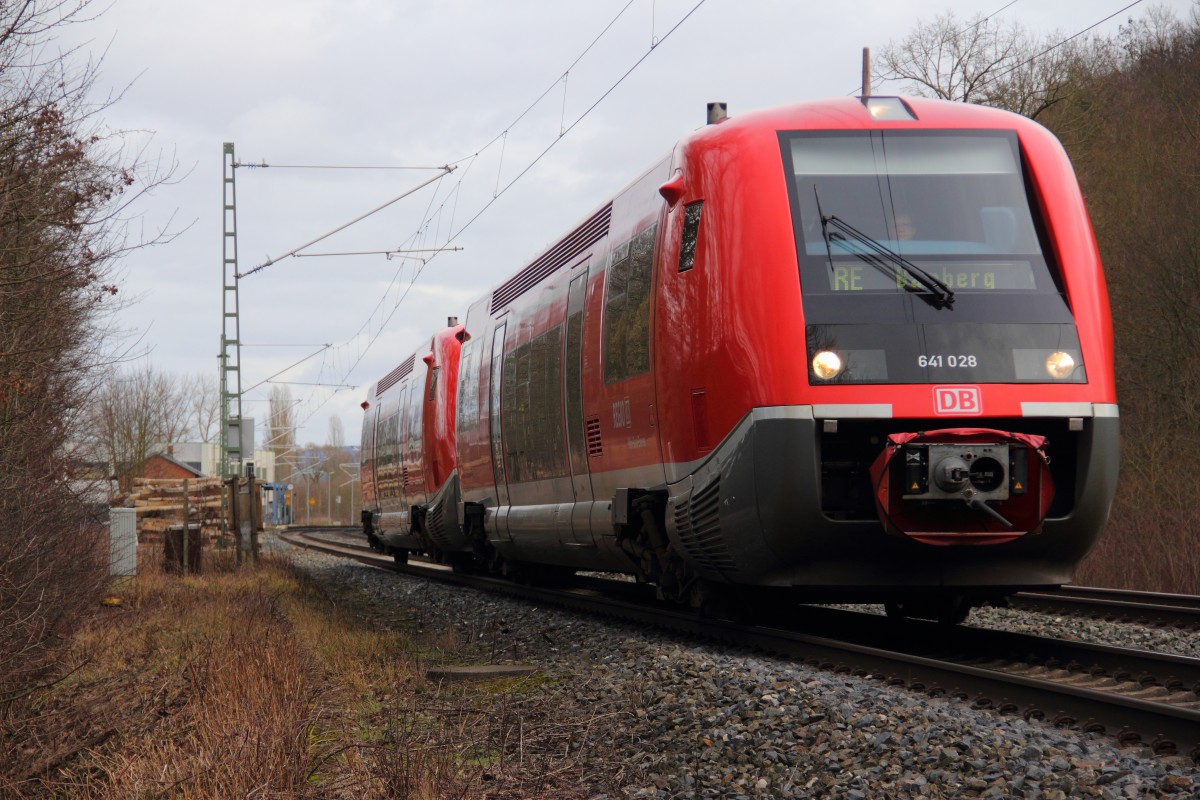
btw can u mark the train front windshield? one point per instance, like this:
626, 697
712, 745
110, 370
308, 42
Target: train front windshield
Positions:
921, 260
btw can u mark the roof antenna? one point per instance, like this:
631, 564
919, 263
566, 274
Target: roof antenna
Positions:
866, 82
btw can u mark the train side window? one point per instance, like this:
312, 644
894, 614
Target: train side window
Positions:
368, 429
691, 231
627, 310
433, 378
468, 386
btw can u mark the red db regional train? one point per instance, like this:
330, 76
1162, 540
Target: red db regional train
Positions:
857, 349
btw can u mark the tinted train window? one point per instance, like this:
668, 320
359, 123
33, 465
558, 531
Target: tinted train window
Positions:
367, 429
923, 258
532, 419
691, 231
468, 386
433, 378
954, 204
627, 309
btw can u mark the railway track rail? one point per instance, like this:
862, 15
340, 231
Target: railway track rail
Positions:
1115, 605
1132, 695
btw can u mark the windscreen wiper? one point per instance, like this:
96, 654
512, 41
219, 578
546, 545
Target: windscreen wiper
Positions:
886, 260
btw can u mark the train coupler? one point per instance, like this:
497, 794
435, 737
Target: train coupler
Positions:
963, 485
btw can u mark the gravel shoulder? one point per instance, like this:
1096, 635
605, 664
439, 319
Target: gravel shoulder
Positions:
619, 712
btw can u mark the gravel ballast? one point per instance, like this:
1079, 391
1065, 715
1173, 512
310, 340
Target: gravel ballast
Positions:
665, 717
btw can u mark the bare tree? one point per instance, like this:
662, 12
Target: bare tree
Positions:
65, 185
1138, 161
981, 61
282, 432
336, 438
201, 398
134, 410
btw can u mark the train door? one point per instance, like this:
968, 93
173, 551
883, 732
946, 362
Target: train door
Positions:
623, 426
416, 455
581, 478
500, 526
400, 495
369, 457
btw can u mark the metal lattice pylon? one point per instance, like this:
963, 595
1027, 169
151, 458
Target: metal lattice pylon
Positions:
231, 346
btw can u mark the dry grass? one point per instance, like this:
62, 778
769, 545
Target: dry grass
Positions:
257, 683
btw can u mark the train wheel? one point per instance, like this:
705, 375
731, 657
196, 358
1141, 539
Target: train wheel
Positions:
400, 556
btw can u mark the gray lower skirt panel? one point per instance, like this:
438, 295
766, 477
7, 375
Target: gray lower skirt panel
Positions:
751, 514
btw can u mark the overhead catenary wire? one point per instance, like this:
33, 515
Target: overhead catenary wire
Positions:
992, 78
315, 383
577, 120
285, 369
265, 165
446, 170
373, 328
1057, 45
983, 21
389, 253
455, 234
550, 88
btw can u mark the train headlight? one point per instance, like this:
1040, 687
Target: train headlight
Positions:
1060, 365
826, 364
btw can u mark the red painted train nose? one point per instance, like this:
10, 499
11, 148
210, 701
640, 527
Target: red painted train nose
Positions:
962, 485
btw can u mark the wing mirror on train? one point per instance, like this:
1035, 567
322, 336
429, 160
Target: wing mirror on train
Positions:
672, 190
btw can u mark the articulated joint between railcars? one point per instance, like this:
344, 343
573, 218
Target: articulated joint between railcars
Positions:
639, 521
367, 517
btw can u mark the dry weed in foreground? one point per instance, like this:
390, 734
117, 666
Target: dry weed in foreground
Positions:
258, 683
227, 684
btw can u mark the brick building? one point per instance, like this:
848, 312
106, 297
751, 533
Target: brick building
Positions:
165, 465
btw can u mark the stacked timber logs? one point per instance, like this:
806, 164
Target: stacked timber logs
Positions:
159, 504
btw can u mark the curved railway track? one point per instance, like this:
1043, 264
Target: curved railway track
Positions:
1135, 696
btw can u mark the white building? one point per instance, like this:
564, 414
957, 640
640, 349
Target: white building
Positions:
206, 457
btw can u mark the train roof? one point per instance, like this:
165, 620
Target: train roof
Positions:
876, 112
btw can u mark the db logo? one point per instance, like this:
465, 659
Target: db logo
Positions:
957, 400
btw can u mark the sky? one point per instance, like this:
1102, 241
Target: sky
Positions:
303, 85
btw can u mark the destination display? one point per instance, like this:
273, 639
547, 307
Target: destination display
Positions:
1006, 276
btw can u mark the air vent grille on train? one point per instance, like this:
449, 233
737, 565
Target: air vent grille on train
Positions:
574, 243
698, 525
595, 448
435, 524
396, 375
